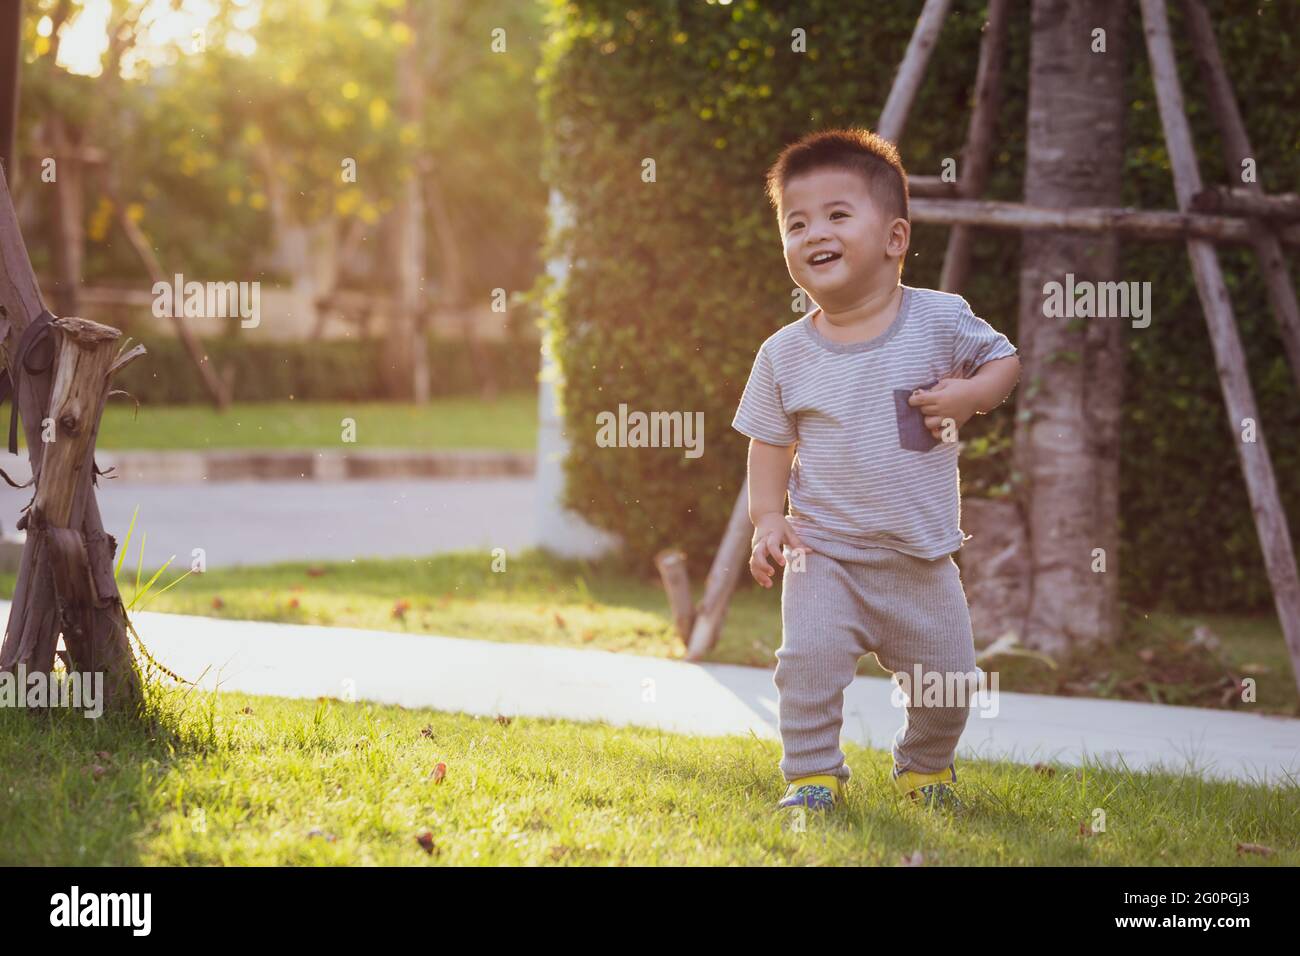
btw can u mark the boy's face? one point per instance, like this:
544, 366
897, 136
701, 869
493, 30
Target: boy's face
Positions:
833, 211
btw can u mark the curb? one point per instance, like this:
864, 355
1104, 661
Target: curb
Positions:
196, 467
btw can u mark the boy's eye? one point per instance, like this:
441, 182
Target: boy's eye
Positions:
795, 225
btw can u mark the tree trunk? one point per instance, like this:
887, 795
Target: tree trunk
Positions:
89, 609
407, 345
1067, 432
452, 275
66, 241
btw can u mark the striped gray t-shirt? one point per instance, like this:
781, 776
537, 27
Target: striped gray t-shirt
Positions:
867, 473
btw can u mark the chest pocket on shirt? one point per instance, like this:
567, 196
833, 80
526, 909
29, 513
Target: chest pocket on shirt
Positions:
912, 433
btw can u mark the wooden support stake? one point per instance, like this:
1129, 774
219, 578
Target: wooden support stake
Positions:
912, 70
677, 585
930, 187
1229, 357
1144, 224
1236, 148
973, 174
732, 558
1244, 201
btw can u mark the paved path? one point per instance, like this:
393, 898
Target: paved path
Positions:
485, 678
256, 522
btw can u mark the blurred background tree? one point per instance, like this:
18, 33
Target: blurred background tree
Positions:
232, 129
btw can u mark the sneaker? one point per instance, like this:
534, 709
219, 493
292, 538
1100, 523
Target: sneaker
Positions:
820, 792
934, 791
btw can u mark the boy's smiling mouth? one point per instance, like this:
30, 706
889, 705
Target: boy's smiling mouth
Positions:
823, 258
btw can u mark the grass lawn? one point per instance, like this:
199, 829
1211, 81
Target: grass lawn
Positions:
509, 423
231, 779
541, 600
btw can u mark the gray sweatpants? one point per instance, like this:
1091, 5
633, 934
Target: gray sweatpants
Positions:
847, 603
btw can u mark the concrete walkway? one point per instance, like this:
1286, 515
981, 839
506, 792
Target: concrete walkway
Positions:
486, 678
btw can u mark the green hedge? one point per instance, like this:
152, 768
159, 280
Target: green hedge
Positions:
675, 283
316, 371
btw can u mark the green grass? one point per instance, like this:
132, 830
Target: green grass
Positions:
509, 423
230, 779
541, 600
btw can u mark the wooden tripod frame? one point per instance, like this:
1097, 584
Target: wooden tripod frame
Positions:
66, 580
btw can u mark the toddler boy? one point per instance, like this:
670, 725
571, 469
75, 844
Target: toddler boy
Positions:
854, 410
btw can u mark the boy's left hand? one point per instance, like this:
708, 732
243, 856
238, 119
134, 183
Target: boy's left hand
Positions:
955, 398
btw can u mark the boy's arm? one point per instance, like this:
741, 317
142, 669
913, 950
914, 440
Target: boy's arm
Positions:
769, 472
962, 398
993, 382
773, 437
769, 475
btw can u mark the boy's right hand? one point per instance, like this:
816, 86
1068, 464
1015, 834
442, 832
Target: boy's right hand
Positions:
771, 532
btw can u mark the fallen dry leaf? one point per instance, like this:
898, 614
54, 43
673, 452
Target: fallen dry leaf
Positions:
425, 839
1257, 848
440, 772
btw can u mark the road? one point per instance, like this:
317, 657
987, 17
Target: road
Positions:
256, 522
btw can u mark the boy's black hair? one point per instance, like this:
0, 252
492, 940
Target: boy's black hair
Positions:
861, 151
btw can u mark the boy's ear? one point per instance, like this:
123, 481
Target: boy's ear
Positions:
900, 237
